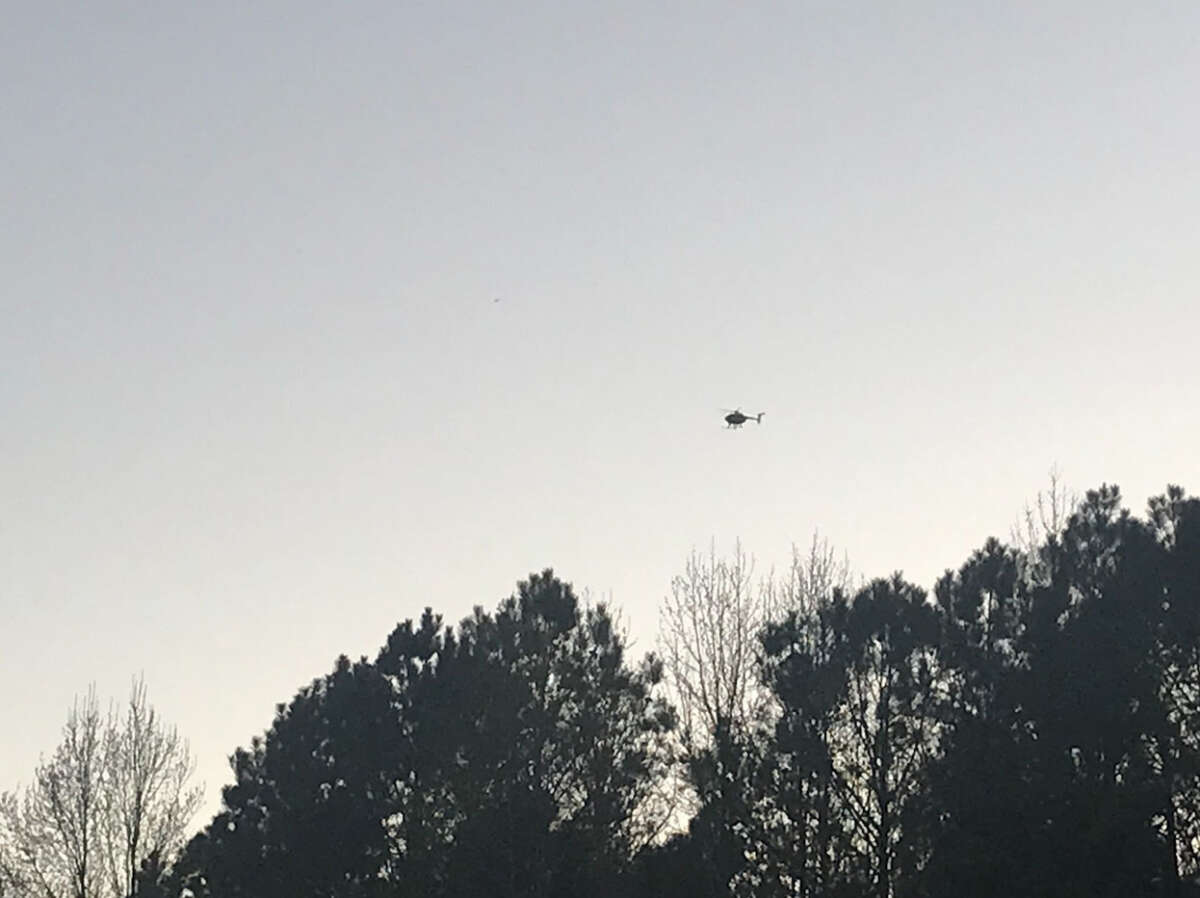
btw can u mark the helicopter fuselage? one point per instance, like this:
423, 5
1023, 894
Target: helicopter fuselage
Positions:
738, 418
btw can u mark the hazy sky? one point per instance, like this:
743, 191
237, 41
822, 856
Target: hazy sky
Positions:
257, 403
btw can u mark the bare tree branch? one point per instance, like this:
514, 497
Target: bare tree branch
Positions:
115, 791
708, 634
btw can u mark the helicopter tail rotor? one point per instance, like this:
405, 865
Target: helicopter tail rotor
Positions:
758, 417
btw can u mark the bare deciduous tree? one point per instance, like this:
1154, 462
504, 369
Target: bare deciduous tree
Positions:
115, 791
1042, 521
810, 580
53, 834
711, 623
708, 634
712, 626
150, 801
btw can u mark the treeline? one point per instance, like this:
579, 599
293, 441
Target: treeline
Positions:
1030, 727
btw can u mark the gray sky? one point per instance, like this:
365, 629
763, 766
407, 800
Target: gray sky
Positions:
257, 403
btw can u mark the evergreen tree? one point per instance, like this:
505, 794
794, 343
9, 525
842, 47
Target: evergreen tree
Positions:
513, 756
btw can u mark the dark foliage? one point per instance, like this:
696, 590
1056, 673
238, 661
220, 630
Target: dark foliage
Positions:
1068, 763
509, 757
1030, 728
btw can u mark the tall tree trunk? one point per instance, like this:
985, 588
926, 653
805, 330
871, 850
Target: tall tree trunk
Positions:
1173, 839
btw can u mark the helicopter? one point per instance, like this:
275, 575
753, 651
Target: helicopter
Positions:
736, 418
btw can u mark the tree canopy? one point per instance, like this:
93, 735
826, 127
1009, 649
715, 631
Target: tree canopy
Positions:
1030, 725
516, 754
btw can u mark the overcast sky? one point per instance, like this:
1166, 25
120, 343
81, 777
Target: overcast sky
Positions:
258, 404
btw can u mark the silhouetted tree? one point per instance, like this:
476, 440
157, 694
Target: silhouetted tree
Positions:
712, 625
1175, 748
810, 582
888, 720
1091, 695
509, 757
546, 721
57, 828
1034, 729
115, 791
1042, 523
307, 812
979, 834
1067, 761
709, 629
800, 843
807, 673
709, 632
857, 684
150, 802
